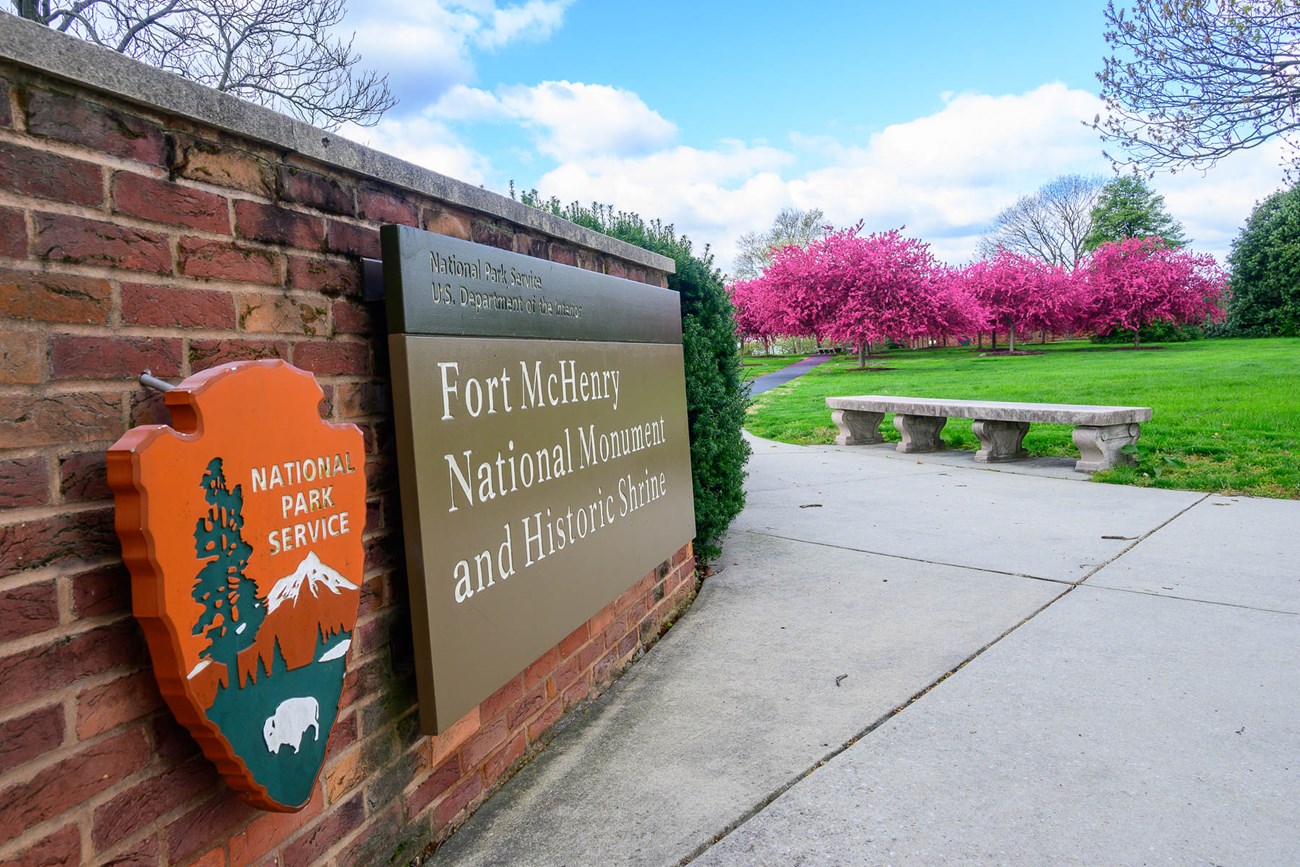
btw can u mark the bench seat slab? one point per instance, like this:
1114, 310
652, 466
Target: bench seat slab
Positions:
1100, 446
857, 428
1000, 440
920, 433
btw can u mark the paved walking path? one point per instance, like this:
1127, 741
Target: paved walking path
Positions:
769, 381
906, 661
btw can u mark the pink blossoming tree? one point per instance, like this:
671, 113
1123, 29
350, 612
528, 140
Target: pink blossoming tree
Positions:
862, 289
1018, 291
1138, 281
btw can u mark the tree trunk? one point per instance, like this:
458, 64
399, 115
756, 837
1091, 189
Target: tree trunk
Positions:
1137, 334
1012, 335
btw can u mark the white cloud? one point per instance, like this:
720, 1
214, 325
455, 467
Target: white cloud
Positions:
944, 176
568, 120
533, 21
425, 142
427, 46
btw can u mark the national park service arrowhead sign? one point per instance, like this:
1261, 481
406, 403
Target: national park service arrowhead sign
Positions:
241, 525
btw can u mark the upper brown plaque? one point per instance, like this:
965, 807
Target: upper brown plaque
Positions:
543, 468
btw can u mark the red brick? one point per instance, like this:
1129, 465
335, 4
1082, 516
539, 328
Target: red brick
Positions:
165, 307
562, 253
381, 207
503, 698
482, 743
216, 858
45, 175
500, 761
70, 119
492, 235
58, 419
358, 399
335, 825
107, 706
351, 318
279, 313
142, 853
453, 224
333, 357
73, 781
166, 202
577, 692
142, 804
442, 778
101, 591
314, 190
84, 477
269, 830
13, 234
24, 482
73, 356
55, 298
330, 277
531, 703
28, 610
222, 260
549, 716
57, 664
221, 165
60, 849
274, 225
208, 824
569, 671
352, 240
70, 537
574, 640
30, 736
589, 654
456, 800
607, 666
90, 242
210, 353
600, 621
22, 355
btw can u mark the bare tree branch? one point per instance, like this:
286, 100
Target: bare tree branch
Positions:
278, 53
1051, 224
791, 226
1190, 81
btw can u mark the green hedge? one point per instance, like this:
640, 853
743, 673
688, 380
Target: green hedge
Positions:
715, 394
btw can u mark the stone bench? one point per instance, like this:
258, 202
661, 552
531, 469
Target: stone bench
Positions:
1100, 432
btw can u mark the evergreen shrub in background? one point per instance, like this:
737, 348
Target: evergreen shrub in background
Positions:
715, 394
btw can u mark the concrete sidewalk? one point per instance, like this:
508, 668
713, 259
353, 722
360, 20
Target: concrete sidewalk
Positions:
925, 661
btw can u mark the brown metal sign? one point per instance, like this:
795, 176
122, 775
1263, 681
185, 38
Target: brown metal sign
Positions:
539, 478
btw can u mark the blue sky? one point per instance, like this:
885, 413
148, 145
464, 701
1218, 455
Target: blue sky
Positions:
715, 115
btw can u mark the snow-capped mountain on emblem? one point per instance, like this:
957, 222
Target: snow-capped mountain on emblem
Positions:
313, 595
312, 574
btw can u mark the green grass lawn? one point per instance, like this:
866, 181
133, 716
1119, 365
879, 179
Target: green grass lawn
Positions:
765, 364
1226, 412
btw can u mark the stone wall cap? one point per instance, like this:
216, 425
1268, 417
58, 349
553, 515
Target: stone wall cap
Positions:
35, 46
994, 410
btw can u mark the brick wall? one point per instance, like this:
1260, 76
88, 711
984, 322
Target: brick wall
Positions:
133, 238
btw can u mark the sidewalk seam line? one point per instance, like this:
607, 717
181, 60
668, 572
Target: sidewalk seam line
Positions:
1061, 581
781, 790
1147, 535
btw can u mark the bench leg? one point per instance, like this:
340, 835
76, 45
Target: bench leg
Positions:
920, 432
1000, 440
857, 427
1099, 447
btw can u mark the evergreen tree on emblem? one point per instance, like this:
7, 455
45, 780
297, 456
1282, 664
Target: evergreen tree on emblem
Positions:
232, 612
